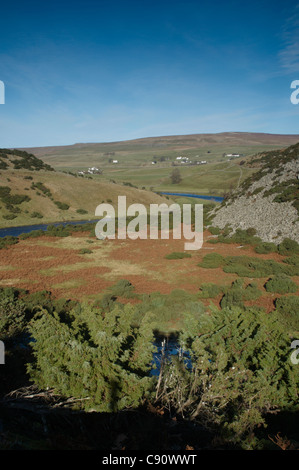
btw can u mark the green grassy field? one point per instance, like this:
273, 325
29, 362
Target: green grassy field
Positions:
134, 160
210, 179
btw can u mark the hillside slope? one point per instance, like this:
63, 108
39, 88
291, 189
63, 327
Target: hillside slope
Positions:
268, 200
31, 192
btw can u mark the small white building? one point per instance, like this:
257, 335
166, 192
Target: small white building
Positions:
114, 161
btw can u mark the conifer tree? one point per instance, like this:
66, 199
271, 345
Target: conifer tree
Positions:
100, 359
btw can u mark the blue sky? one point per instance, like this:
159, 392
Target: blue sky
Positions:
102, 71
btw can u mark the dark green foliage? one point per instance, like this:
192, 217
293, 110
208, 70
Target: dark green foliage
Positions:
25, 160
168, 311
4, 191
12, 313
42, 188
3, 164
287, 191
102, 361
240, 372
281, 285
130, 185
251, 231
287, 310
292, 260
6, 241
16, 199
58, 231
62, 205
100, 356
36, 215
11, 199
246, 266
288, 247
178, 255
84, 251
81, 211
32, 234
236, 294
266, 247
242, 237
9, 216
212, 260
123, 288
175, 176
214, 230
210, 291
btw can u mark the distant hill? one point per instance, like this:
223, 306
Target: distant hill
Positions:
203, 146
191, 140
268, 200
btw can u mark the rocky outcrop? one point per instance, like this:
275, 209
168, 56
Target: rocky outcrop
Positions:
255, 204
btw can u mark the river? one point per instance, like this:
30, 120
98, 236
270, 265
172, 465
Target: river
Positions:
198, 196
16, 231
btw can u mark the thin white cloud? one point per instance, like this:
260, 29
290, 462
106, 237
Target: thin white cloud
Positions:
289, 55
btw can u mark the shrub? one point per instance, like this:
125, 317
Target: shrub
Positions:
41, 187
81, 211
9, 216
84, 251
212, 260
6, 241
243, 237
62, 205
266, 247
178, 255
246, 266
214, 230
4, 191
36, 215
287, 309
13, 313
236, 294
237, 376
122, 288
281, 285
288, 247
32, 234
168, 311
100, 360
209, 290
251, 231
292, 260
59, 231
